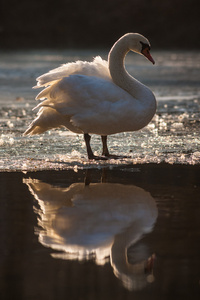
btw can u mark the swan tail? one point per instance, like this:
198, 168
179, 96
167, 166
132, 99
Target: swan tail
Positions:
36, 127
49, 118
33, 129
46, 119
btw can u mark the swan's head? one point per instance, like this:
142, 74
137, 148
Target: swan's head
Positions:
138, 43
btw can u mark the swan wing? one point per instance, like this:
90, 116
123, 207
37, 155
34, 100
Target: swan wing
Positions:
98, 67
93, 104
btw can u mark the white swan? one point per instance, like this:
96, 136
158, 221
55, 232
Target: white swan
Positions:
96, 97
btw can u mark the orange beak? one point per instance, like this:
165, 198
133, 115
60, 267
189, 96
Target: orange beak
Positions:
147, 54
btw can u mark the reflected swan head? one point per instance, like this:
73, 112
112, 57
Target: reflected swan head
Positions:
98, 221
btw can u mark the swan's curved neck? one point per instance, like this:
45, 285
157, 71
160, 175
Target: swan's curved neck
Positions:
118, 72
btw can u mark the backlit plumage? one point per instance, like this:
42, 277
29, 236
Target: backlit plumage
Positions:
97, 97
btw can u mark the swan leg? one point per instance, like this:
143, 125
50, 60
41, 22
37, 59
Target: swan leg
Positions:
87, 139
90, 153
105, 151
105, 147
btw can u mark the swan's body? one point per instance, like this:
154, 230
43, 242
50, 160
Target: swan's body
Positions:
96, 97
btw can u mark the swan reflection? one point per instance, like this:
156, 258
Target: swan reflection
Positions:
97, 221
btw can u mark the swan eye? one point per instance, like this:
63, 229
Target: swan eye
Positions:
145, 47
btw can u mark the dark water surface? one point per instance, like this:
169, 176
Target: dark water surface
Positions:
125, 233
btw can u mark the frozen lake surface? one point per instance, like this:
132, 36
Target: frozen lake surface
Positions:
172, 136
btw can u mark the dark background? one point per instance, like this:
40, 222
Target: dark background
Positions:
171, 24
